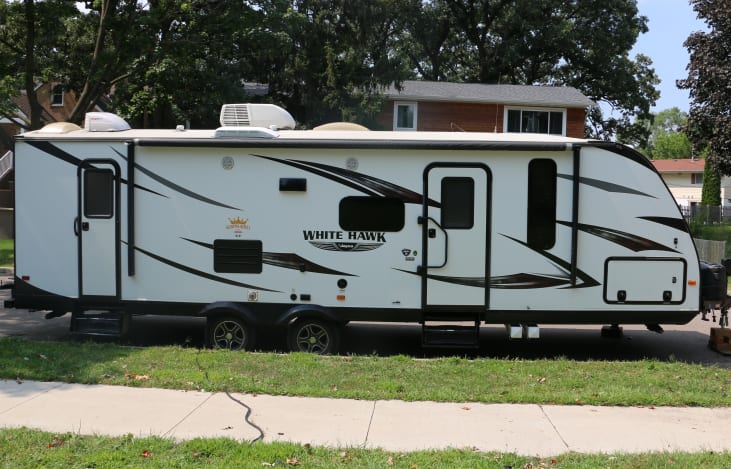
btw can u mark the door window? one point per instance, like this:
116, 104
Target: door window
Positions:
98, 193
458, 203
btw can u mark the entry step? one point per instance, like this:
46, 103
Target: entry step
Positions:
451, 335
101, 324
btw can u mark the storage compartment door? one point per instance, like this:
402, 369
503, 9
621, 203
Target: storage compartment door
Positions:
644, 280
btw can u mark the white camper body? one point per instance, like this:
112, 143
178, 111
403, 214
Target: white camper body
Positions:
265, 227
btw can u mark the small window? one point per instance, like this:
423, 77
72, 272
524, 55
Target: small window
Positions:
458, 203
371, 214
696, 179
57, 95
542, 204
98, 193
237, 256
537, 121
404, 116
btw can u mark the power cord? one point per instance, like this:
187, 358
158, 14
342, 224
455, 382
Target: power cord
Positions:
247, 416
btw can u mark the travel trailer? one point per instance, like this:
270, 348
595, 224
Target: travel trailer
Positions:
254, 225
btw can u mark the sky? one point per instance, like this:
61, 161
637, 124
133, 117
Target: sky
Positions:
670, 23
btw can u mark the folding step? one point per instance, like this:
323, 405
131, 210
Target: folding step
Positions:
450, 332
100, 323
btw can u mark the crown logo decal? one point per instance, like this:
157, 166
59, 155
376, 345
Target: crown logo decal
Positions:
238, 221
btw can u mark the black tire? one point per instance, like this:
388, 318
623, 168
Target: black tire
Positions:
229, 333
313, 336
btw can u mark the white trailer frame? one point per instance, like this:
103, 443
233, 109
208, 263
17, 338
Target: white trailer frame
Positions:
327, 227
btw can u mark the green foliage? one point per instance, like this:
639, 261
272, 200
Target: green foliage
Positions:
581, 44
711, 195
667, 138
7, 252
709, 75
451, 379
25, 448
176, 61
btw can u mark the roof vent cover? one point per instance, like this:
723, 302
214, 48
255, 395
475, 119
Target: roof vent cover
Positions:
104, 122
256, 115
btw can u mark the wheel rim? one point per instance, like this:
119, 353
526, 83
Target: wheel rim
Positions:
229, 335
313, 338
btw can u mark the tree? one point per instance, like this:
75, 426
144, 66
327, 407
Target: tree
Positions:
584, 44
711, 192
709, 75
29, 35
52, 40
667, 137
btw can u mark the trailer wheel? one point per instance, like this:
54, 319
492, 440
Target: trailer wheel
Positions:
313, 336
229, 333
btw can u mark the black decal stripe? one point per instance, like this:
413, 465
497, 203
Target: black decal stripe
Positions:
287, 261
527, 281
677, 223
62, 155
361, 182
385, 188
606, 186
627, 240
200, 273
587, 280
324, 174
520, 281
296, 262
175, 187
54, 151
625, 151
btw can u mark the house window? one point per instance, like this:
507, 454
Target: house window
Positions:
536, 121
57, 95
404, 116
696, 178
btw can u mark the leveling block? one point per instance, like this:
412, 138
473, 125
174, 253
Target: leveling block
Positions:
720, 340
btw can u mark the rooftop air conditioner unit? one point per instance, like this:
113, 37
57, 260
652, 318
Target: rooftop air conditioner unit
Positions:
256, 115
104, 122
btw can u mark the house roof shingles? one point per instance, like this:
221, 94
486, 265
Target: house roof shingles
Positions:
549, 96
685, 165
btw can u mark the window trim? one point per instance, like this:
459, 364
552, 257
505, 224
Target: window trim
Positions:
109, 194
412, 104
54, 94
563, 111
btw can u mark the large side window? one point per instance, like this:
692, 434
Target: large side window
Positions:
98, 193
541, 203
359, 213
458, 203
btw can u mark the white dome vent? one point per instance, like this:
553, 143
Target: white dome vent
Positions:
256, 115
104, 122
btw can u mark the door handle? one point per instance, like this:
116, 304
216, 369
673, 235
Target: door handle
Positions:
84, 226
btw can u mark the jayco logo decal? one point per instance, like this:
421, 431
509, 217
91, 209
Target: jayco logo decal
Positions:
344, 241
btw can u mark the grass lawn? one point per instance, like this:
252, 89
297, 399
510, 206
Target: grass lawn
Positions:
6, 252
451, 379
23, 448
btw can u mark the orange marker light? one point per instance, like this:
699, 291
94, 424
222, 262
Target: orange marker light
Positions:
692, 283
341, 297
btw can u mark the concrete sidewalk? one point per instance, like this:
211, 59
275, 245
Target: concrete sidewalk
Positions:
532, 430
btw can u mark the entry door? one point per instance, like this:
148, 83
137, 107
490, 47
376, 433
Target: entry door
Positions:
455, 238
97, 228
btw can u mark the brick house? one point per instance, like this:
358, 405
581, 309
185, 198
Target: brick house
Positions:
473, 107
